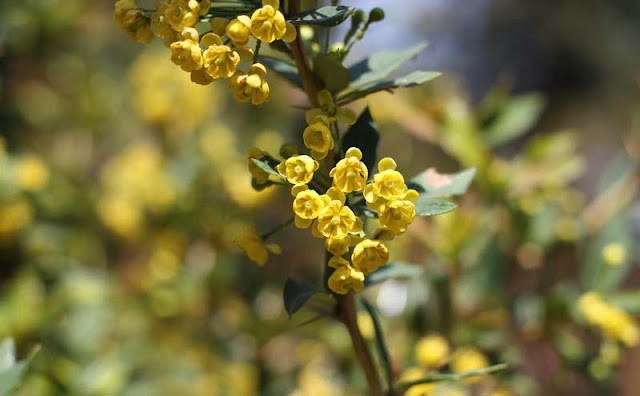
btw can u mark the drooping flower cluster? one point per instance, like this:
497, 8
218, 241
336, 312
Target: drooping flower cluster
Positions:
331, 217
217, 54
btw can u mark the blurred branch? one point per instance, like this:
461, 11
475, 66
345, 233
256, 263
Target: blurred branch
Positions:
437, 377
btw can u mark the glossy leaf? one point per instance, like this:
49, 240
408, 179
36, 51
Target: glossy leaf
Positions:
323, 16
397, 270
515, 118
426, 206
433, 184
287, 70
412, 79
295, 295
331, 71
264, 165
381, 64
363, 135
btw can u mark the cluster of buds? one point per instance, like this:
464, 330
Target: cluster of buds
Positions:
331, 215
216, 54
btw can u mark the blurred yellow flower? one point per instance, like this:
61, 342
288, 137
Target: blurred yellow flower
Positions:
414, 374
614, 254
121, 215
432, 351
254, 246
612, 321
467, 359
14, 216
32, 172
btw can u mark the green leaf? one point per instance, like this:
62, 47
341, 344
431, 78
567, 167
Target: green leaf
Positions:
12, 372
287, 70
412, 79
381, 64
515, 118
363, 135
296, 295
323, 16
331, 71
426, 206
380, 344
447, 185
629, 300
397, 270
264, 165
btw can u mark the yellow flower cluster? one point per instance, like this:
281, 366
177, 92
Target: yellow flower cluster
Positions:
317, 136
615, 323
210, 58
331, 218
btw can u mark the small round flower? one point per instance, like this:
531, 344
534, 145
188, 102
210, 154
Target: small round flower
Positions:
298, 169
250, 86
397, 215
432, 351
268, 23
614, 254
32, 173
350, 174
254, 246
187, 53
133, 21
219, 25
337, 220
317, 138
239, 29
337, 246
307, 206
369, 255
219, 60
387, 184
181, 14
346, 278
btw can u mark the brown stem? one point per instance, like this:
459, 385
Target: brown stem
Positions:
346, 310
309, 81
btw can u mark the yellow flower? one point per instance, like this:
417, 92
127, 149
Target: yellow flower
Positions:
317, 138
387, 184
181, 14
254, 246
239, 29
133, 21
337, 220
32, 173
468, 359
258, 174
369, 255
160, 26
613, 321
328, 108
219, 25
307, 205
187, 53
298, 169
14, 216
250, 86
220, 61
397, 215
614, 254
414, 374
345, 277
268, 23
121, 215
350, 174
432, 351
337, 246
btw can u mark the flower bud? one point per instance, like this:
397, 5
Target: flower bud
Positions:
376, 15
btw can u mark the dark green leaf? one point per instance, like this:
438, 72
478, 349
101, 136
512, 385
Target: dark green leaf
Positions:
331, 71
323, 16
397, 270
363, 135
516, 117
296, 295
264, 165
447, 185
286, 70
381, 64
412, 79
426, 206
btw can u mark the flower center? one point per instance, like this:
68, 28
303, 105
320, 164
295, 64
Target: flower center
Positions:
335, 220
298, 169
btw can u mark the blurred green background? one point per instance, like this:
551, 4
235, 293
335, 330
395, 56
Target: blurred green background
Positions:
123, 185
